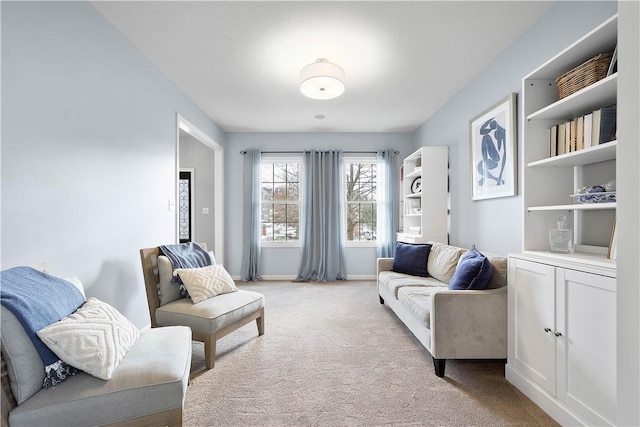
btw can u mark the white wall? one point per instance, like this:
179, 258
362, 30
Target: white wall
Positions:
88, 150
284, 261
495, 225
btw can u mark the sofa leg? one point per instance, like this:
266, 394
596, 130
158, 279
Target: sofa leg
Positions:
381, 300
439, 364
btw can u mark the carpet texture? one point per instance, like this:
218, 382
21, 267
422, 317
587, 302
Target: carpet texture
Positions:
332, 355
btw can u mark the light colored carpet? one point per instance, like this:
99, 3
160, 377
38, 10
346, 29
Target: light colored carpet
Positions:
332, 355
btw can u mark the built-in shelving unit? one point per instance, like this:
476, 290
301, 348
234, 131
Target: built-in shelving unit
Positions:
557, 347
424, 196
549, 182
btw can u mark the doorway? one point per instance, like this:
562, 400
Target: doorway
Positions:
199, 188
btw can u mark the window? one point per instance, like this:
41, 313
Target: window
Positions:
360, 194
280, 200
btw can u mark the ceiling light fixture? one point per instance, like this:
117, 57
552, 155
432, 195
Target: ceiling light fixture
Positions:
322, 80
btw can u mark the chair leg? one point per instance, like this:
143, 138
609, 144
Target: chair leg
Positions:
210, 351
260, 322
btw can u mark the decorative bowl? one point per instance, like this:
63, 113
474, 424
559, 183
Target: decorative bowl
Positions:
594, 194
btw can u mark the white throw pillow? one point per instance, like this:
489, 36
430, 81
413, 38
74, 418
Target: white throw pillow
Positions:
206, 282
77, 283
94, 339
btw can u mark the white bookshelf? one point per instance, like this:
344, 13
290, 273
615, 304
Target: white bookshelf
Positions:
549, 182
425, 212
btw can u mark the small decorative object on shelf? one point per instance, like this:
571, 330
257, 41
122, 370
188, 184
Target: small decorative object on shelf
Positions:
561, 238
414, 230
416, 185
596, 193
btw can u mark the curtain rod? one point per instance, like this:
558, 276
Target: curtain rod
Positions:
300, 151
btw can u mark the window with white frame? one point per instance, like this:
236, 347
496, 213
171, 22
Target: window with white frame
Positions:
280, 200
361, 195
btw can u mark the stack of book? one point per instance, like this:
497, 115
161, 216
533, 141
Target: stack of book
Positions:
589, 130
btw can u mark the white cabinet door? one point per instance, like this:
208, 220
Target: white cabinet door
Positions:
532, 292
587, 346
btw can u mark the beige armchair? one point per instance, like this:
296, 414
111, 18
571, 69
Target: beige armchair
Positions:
209, 320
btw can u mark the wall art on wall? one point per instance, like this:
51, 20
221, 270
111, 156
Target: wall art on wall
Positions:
492, 150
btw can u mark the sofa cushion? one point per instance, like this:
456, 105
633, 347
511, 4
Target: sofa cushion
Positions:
210, 315
417, 299
443, 260
499, 275
94, 339
411, 258
206, 282
473, 272
394, 281
151, 378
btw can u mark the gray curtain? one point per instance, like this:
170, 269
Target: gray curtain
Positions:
251, 217
323, 225
387, 222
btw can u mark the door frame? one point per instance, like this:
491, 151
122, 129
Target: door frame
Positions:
218, 182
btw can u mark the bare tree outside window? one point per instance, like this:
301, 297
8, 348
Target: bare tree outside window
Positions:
280, 201
360, 192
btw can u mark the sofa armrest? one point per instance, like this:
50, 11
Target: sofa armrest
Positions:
469, 324
384, 264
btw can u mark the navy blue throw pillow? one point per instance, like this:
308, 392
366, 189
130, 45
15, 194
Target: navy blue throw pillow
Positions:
473, 272
411, 259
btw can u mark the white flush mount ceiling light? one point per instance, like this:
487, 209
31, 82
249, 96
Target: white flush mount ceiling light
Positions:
322, 80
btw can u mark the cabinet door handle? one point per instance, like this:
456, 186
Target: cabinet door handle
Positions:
558, 334
547, 329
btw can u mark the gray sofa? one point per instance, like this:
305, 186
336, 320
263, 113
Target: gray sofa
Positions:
450, 324
147, 388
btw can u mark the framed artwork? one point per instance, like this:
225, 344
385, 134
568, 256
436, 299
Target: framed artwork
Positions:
492, 150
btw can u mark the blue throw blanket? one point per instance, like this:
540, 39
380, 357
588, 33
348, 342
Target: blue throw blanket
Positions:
186, 255
38, 300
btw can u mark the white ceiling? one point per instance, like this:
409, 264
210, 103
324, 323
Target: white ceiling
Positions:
240, 61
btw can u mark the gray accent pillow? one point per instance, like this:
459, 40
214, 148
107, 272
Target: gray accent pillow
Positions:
24, 365
168, 291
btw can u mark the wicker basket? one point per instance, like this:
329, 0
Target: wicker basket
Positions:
583, 75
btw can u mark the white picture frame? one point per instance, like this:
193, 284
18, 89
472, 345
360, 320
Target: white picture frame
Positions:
493, 150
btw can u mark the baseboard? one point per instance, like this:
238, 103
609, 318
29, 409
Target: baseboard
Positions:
292, 277
540, 397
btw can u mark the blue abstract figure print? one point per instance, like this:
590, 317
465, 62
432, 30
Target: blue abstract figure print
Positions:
494, 153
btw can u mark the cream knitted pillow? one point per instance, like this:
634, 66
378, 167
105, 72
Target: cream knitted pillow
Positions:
94, 339
206, 282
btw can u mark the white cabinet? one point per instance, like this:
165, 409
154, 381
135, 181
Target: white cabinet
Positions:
562, 339
425, 196
549, 182
532, 294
